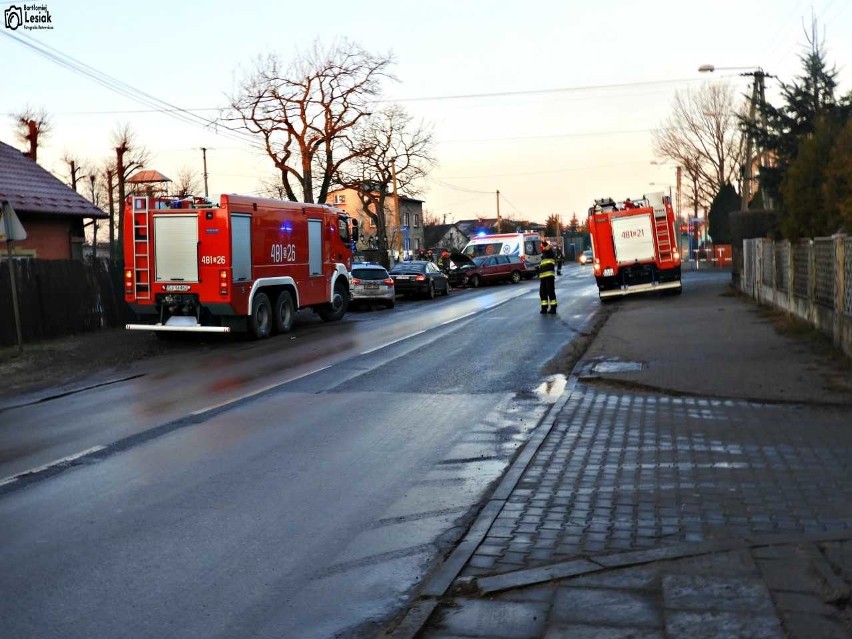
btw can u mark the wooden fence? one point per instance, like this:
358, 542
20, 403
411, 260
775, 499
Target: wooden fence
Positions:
59, 297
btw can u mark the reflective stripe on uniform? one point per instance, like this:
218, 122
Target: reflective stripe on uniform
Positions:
546, 268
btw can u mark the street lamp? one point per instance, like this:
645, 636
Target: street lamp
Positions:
758, 93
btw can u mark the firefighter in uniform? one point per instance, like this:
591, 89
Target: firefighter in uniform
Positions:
547, 279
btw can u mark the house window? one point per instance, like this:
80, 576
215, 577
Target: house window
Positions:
416, 222
405, 220
340, 199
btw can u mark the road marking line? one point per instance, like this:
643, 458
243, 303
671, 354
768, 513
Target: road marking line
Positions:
396, 341
44, 467
456, 319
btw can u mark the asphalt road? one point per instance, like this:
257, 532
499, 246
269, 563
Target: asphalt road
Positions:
301, 486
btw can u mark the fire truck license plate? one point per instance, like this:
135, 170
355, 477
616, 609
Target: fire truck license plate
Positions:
608, 271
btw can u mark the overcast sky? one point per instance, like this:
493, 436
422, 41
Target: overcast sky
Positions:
551, 102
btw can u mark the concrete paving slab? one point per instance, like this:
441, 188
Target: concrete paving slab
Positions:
725, 593
582, 631
606, 607
719, 625
497, 619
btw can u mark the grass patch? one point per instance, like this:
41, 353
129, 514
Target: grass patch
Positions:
818, 342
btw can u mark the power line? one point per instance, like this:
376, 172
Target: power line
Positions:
549, 136
527, 173
517, 210
456, 188
122, 88
503, 94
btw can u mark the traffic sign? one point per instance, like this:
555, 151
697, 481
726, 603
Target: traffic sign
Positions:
11, 229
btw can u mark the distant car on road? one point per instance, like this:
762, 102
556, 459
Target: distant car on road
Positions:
371, 283
586, 257
420, 278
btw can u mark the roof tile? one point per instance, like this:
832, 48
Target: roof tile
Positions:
31, 189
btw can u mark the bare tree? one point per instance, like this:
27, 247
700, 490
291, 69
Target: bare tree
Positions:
272, 186
129, 156
32, 127
432, 219
186, 182
77, 169
305, 113
399, 154
702, 135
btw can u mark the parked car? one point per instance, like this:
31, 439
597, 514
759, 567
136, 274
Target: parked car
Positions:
419, 278
586, 257
491, 268
371, 283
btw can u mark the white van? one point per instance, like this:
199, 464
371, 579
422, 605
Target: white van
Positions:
526, 246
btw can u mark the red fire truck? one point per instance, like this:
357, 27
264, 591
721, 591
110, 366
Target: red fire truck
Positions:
245, 265
635, 246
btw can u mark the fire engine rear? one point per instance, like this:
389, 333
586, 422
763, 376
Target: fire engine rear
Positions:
247, 264
634, 246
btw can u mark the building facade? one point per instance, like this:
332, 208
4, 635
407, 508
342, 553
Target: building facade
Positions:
404, 227
52, 214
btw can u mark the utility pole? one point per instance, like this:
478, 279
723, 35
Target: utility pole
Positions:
115, 247
499, 221
396, 198
204, 157
758, 95
94, 222
749, 154
678, 177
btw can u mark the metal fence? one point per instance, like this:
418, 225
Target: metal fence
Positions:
782, 266
824, 271
847, 276
811, 279
801, 268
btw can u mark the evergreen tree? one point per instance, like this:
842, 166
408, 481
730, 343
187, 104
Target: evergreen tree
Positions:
810, 96
552, 227
574, 225
726, 201
805, 211
838, 180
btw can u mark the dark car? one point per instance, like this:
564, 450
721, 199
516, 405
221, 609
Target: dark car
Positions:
493, 268
419, 278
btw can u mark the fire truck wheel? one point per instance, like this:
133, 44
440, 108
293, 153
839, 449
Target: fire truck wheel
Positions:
260, 322
337, 308
284, 313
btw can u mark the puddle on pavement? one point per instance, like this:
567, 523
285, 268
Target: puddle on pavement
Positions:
552, 387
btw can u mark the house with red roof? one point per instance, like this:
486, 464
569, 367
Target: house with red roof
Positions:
52, 213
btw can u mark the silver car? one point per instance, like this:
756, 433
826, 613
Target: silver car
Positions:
370, 283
